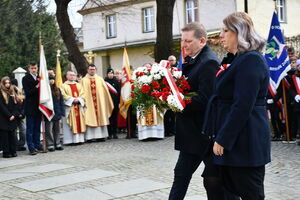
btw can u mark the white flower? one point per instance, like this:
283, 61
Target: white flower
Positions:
171, 100
145, 79
157, 77
177, 74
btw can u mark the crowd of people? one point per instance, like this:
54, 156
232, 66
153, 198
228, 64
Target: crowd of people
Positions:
86, 109
276, 102
229, 106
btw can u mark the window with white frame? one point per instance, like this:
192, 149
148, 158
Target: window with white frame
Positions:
191, 11
281, 10
148, 19
111, 26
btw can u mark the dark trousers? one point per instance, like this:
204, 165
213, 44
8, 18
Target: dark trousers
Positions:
113, 122
131, 122
247, 182
52, 133
295, 124
33, 132
276, 123
186, 165
9, 142
169, 123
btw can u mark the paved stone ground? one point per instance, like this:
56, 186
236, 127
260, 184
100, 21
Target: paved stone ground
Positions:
122, 160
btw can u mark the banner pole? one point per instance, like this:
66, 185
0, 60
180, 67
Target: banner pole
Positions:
285, 112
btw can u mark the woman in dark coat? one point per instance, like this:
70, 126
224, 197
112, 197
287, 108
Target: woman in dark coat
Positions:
8, 118
242, 133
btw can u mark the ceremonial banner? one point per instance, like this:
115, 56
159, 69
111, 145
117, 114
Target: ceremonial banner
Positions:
45, 96
58, 77
125, 98
276, 54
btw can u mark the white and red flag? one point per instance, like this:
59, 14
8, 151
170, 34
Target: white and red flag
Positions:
45, 96
125, 98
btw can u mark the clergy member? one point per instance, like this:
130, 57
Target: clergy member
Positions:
99, 105
74, 123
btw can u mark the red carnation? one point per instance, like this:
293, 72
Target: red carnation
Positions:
145, 88
132, 87
164, 81
155, 84
132, 94
188, 101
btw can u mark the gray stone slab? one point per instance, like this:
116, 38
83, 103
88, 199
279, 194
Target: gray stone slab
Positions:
132, 187
30, 171
5, 176
41, 168
196, 197
89, 194
14, 162
68, 179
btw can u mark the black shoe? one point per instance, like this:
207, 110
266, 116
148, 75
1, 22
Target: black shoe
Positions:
100, 140
276, 139
59, 148
51, 149
32, 152
21, 149
115, 137
14, 155
109, 137
6, 156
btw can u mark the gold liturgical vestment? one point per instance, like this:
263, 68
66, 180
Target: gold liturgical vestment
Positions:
99, 105
74, 112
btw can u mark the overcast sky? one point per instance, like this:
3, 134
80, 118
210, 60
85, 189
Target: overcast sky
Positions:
74, 6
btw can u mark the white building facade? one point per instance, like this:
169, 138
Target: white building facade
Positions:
106, 27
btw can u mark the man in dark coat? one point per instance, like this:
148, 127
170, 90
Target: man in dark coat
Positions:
200, 70
114, 89
30, 84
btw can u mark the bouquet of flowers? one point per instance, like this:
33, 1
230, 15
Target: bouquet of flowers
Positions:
159, 85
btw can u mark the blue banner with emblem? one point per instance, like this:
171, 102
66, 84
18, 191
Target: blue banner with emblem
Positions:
276, 53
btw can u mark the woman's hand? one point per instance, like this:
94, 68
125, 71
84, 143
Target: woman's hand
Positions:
218, 149
11, 118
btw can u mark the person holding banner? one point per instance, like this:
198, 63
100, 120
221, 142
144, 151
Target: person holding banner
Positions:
200, 70
52, 127
242, 133
30, 84
114, 88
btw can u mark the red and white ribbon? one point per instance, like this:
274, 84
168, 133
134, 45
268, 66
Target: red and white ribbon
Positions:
222, 68
111, 88
174, 88
296, 81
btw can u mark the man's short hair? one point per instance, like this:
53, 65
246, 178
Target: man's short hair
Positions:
199, 29
290, 49
32, 63
91, 65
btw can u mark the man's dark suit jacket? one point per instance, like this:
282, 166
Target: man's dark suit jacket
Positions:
31, 102
201, 74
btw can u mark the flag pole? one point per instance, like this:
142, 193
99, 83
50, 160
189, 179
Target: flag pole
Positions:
287, 129
43, 118
285, 112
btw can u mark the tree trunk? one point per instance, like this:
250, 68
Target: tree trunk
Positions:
68, 36
164, 21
